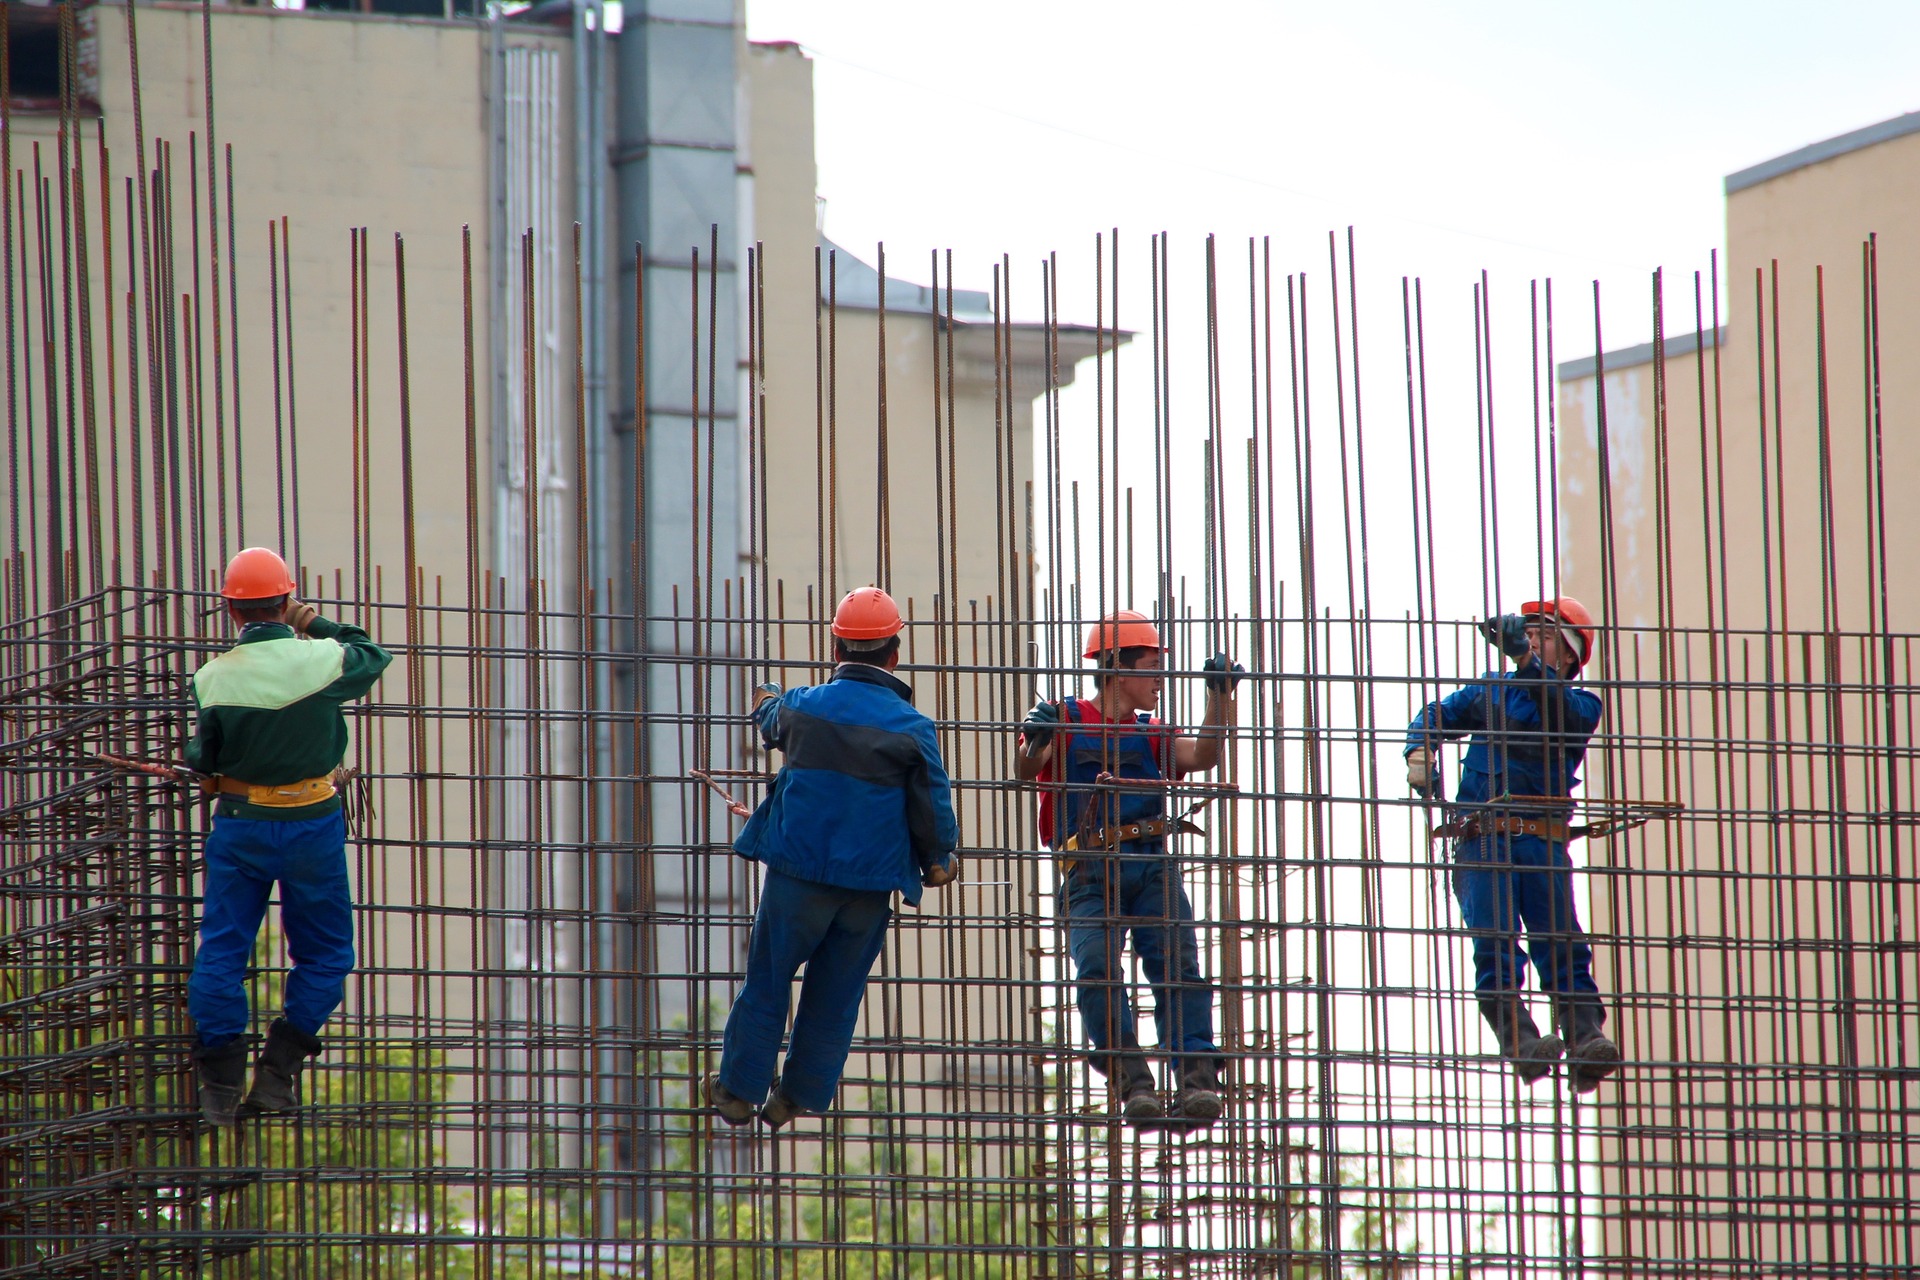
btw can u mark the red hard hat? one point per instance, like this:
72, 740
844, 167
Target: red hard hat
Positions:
866, 613
257, 574
1121, 629
1570, 614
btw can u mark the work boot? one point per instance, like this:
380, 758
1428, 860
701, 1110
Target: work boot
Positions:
780, 1108
1531, 1053
1199, 1097
221, 1073
1591, 1055
733, 1108
276, 1074
1138, 1098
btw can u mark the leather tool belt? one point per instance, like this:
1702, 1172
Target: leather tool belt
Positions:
286, 795
1113, 837
1473, 828
1146, 829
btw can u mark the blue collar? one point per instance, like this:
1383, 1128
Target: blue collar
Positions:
865, 673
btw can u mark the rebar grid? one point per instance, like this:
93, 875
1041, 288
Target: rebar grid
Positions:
550, 919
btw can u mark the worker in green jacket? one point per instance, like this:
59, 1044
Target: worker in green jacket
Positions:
270, 734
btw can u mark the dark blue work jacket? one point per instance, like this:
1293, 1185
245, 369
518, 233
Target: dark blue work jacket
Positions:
1131, 751
1529, 732
863, 800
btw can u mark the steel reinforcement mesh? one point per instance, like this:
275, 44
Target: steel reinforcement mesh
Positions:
551, 923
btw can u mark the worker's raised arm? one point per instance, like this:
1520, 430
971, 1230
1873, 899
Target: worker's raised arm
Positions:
1035, 747
1200, 751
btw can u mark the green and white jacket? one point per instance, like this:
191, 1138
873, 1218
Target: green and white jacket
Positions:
268, 709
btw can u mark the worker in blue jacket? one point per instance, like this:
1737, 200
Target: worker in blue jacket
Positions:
860, 810
1528, 731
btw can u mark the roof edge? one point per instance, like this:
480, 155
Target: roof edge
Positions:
1830, 149
1641, 353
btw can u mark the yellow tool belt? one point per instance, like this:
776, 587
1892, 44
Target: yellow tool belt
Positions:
287, 795
1114, 837
1475, 827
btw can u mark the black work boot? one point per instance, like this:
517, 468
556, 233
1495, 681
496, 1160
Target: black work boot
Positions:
1531, 1053
276, 1075
221, 1073
1138, 1098
1199, 1097
1591, 1055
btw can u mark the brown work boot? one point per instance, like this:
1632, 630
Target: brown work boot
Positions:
1139, 1100
1531, 1053
1590, 1054
727, 1104
1200, 1099
780, 1108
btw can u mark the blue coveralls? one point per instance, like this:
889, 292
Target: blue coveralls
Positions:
860, 807
1134, 889
1529, 733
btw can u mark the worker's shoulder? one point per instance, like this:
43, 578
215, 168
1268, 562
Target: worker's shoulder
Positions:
861, 702
269, 674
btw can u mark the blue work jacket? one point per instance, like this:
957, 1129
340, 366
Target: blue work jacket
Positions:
863, 800
1529, 732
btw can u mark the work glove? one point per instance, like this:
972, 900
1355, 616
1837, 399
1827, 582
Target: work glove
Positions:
300, 615
1508, 633
1223, 673
761, 692
1041, 724
943, 872
1423, 775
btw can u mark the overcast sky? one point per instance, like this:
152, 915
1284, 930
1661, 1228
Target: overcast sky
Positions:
1580, 141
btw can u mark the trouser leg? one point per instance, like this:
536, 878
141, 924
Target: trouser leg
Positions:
792, 918
831, 993
1094, 938
316, 911
237, 883
1485, 891
1169, 951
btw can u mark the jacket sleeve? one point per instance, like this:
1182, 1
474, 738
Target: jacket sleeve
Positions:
1447, 719
362, 662
766, 717
203, 748
930, 822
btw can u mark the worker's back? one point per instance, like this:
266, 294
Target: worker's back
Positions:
862, 800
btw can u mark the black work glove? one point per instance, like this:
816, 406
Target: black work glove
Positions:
1041, 723
1508, 633
1223, 673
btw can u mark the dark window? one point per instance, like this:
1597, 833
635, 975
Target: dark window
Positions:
33, 55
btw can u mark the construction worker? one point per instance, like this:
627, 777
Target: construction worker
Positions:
860, 810
1120, 875
269, 733
1529, 729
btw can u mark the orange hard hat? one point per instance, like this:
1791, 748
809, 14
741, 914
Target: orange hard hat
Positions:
1572, 617
866, 613
1121, 629
257, 574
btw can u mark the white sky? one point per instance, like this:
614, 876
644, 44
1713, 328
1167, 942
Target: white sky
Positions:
1582, 141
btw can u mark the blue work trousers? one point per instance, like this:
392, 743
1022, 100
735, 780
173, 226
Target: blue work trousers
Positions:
1107, 899
837, 934
1506, 883
245, 858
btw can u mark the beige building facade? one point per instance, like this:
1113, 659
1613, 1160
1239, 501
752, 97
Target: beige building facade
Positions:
1733, 503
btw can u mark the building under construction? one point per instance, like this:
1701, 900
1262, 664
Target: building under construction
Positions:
594, 460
